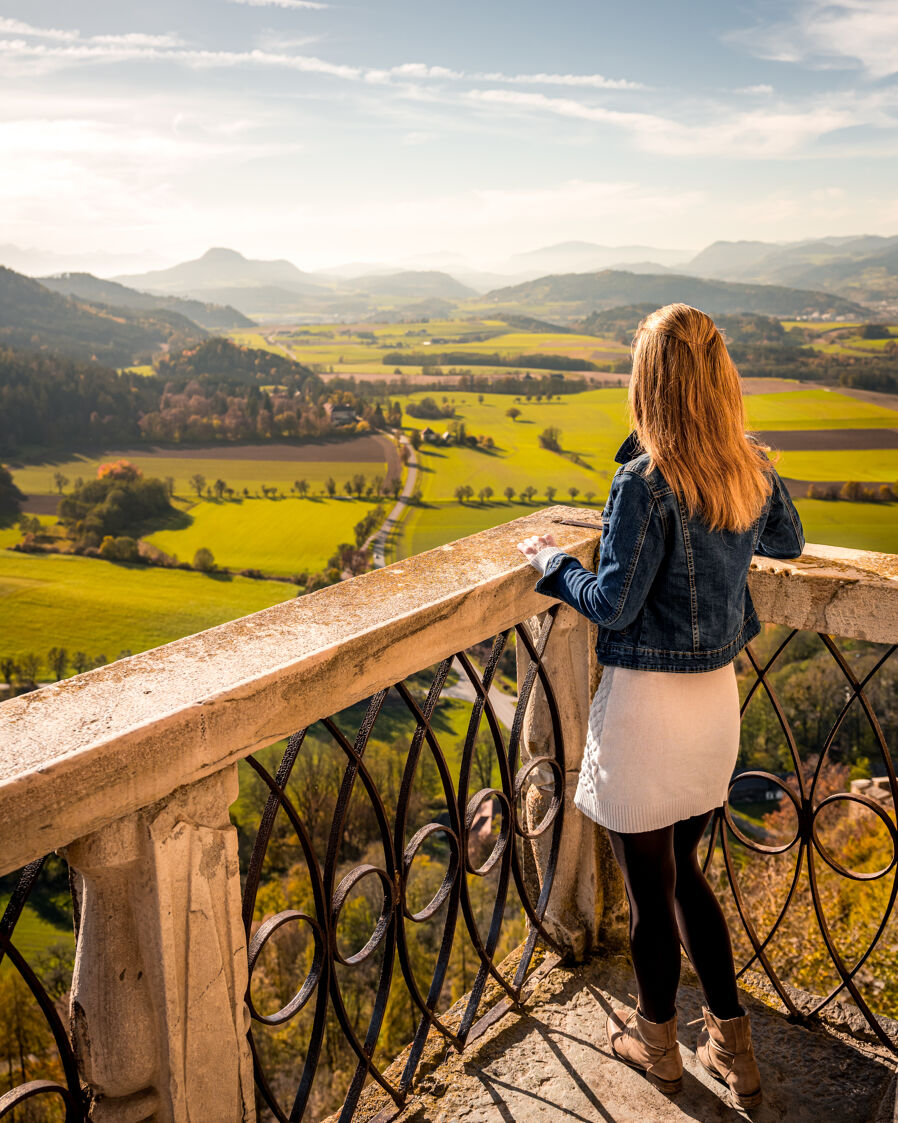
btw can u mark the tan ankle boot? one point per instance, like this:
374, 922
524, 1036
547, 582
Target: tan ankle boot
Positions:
725, 1050
648, 1046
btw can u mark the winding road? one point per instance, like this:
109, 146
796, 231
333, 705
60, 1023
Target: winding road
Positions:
378, 540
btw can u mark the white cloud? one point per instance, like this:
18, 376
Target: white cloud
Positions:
741, 135
274, 53
841, 34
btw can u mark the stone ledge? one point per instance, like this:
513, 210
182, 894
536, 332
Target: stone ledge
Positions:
552, 1063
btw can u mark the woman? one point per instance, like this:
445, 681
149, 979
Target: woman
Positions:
693, 500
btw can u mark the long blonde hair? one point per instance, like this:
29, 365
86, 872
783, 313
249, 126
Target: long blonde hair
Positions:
687, 410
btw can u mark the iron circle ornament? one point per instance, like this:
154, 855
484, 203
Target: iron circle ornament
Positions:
341, 893
307, 988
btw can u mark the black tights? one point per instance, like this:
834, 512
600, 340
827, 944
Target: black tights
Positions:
670, 900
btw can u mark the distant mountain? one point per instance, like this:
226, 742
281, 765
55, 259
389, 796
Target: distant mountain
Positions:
32, 316
862, 268
575, 295
586, 257
221, 269
419, 284
32, 262
213, 317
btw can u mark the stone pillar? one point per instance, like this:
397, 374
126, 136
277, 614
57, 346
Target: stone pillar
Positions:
158, 997
587, 906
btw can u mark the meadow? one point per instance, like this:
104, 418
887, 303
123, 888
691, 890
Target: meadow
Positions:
249, 470
104, 608
278, 536
355, 347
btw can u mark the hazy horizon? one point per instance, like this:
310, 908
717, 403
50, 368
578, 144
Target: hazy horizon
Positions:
327, 133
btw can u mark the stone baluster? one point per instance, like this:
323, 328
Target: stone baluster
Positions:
158, 1012
587, 906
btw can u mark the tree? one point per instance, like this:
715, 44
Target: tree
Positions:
509, 493
170, 486
550, 438
9, 668
358, 484
219, 487
461, 493
415, 438
589, 495
204, 560
11, 498
198, 482
573, 492
30, 668
81, 662
529, 492
302, 486
347, 487
551, 492
58, 659
513, 412
852, 490
60, 480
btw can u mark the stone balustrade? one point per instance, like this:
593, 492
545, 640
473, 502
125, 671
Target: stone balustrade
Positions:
129, 771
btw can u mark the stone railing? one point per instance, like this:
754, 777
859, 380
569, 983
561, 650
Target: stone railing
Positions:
131, 773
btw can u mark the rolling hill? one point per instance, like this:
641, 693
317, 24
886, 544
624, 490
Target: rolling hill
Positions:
33, 317
574, 295
863, 268
222, 269
85, 286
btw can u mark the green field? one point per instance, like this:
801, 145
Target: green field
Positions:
869, 464
816, 409
237, 472
345, 347
279, 536
859, 526
102, 607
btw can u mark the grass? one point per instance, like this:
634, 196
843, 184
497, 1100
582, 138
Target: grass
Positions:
103, 607
279, 536
592, 424
344, 346
37, 479
34, 934
426, 528
816, 409
870, 464
859, 526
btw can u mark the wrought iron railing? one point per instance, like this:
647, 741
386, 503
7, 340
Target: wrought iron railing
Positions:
396, 921
749, 867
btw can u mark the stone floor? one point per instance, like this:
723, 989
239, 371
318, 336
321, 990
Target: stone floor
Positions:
553, 1064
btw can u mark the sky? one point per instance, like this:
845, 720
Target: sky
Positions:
390, 130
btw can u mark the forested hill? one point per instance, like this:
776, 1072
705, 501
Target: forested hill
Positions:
85, 286
50, 401
578, 294
31, 316
218, 391
220, 358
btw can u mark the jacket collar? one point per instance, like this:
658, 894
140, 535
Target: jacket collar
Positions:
629, 450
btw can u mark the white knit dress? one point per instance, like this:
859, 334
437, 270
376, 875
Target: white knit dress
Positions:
660, 746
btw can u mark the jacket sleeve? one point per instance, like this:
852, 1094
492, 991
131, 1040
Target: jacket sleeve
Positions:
780, 533
631, 552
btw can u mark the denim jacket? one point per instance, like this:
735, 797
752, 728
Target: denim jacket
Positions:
669, 593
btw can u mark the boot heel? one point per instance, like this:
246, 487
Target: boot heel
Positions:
743, 1100
668, 1087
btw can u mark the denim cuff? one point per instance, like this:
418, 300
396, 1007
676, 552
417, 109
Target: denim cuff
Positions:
541, 558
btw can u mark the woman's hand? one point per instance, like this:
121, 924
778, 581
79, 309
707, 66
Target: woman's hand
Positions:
531, 546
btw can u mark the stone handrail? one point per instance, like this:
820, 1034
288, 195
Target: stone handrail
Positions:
130, 769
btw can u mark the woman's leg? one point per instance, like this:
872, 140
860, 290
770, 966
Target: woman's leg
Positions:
702, 925
647, 862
